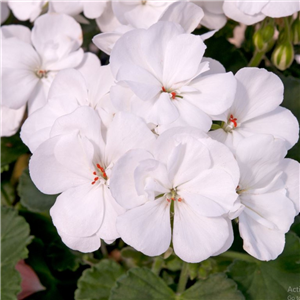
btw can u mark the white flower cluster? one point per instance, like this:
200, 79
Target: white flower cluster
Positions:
128, 146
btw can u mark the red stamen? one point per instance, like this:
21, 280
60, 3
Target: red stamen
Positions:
233, 120
179, 199
98, 166
94, 173
163, 89
96, 178
168, 200
93, 182
173, 95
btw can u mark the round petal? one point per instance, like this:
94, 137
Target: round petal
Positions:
79, 211
196, 238
258, 92
147, 227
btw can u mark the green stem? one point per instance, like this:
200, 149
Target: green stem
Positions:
287, 28
237, 255
157, 265
183, 279
256, 59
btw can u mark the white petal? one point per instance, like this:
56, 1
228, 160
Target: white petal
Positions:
258, 92
147, 227
82, 244
11, 120
192, 158
54, 36
127, 132
48, 174
122, 183
26, 10
280, 122
94, 10
183, 56
106, 41
195, 238
258, 157
231, 11
276, 9
187, 14
251, 8
211, 193
274, 207
20, 32
108, 229
79, 211
292, 180
19, 64
259, 241
216, 93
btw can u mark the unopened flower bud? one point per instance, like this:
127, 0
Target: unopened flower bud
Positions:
267, 33
295, 32
283, 55
258, 41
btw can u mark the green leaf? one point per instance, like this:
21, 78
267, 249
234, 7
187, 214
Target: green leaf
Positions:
11, 148
217, 287
31, 197
14, 239
141, 283
273, 280
96, 282
10, 283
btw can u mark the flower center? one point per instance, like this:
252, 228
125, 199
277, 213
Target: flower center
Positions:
42, 73
100, 173
173, 196
172, 94
144, 2
231, 124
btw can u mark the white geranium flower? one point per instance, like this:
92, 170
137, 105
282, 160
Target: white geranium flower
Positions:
89, 85
28, 70
268, 187
256, 110
163, 67
76, 161
186, 14
188, 177
251, 12
214, 17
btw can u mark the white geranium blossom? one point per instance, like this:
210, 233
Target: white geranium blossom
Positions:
28, 69
188, 177
268, 187
89, 85
250, 12
76, 161
186, 14
256, 110
163, 67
